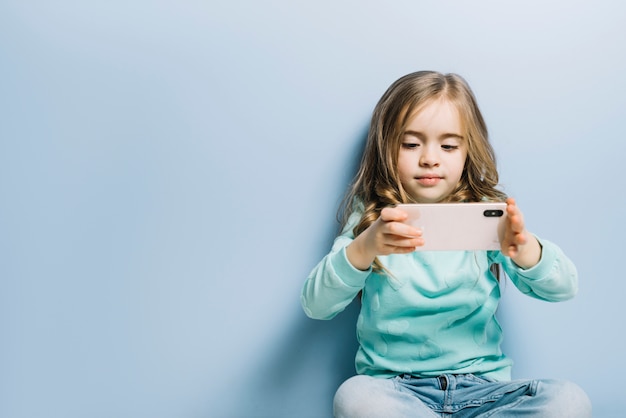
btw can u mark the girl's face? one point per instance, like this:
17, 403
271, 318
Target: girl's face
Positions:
433, 152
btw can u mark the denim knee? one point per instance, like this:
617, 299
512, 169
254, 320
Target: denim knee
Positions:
366, 396
351, 399
565, 399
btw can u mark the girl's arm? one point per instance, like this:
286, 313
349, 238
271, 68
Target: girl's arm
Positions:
332, 284
342, 273
554, 278
538, 268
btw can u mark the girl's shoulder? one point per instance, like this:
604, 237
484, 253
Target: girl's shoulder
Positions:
354, 215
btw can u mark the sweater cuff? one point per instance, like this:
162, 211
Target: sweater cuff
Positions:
545, 264
349, 274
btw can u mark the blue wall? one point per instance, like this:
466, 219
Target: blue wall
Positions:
170, 172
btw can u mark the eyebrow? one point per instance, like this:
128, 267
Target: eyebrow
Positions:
443, 136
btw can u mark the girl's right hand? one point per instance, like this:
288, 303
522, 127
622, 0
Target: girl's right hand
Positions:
387, 235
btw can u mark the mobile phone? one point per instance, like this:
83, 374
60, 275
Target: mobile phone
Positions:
458, 226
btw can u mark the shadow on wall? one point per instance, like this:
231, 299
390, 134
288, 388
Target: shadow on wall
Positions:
314, 358
302, 377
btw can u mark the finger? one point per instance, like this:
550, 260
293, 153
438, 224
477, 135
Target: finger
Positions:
516, 224
410, 243
393, 214
511, 207
512, 251
398, 234
402, 250
512, 244
403, 230
406, 247
402, 237
515, 215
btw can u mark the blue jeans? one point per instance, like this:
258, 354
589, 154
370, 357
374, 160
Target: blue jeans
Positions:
458, 396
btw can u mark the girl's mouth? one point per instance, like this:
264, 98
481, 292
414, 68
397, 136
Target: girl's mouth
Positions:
428, 180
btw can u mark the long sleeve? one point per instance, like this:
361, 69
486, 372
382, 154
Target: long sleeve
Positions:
553, 279
334, 282
331, 286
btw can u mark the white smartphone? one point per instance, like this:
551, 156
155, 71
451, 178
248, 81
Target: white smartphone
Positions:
458, 226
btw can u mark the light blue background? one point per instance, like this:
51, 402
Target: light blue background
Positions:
170, 172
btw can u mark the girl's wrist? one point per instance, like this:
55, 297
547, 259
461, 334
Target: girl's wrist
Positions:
528, 255
358, 256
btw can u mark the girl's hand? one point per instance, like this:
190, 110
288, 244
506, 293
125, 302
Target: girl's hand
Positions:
518, 243
387, 235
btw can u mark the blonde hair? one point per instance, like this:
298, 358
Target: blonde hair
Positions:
377, 183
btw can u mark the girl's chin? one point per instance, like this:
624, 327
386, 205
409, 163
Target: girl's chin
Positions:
428, 199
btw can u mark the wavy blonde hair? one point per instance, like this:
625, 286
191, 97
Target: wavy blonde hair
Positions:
377, 183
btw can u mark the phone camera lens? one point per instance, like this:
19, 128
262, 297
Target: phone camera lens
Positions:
493, 213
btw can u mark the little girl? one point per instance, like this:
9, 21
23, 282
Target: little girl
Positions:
429, 341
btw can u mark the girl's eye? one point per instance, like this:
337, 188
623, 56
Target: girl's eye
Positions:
449, 147
409, 145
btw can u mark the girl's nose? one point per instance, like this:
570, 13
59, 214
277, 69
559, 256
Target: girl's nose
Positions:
429, 157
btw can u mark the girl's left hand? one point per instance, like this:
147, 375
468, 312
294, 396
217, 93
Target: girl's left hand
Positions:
518, 243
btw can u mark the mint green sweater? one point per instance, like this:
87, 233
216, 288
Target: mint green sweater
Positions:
436, 313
